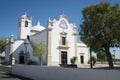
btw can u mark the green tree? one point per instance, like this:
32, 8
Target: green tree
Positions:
94, 59
100, 28
2, 44
39, 49
101, 56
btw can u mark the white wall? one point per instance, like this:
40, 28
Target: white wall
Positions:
82, 48
7, 52
45, 73
40, 37
56, 39
24, 32
18, 46
58, 73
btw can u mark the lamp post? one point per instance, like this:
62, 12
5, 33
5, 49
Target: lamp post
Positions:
114, 56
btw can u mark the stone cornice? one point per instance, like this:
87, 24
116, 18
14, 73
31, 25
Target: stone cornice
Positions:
49, 29
63, 47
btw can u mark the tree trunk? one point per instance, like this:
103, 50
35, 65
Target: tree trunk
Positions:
109, 58
40, 59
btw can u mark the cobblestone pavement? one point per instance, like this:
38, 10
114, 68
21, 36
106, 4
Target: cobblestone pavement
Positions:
5, 74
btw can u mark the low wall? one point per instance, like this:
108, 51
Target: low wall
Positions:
59, 73
43, 72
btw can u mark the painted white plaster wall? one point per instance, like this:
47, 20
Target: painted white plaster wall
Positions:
82, 48
18, 46
58, 73
33, 33
40, 37
56, 38
46, 73
7, 52
24, 32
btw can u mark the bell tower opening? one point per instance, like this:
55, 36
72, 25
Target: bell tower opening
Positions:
26, 23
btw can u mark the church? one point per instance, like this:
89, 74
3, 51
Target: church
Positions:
59, 36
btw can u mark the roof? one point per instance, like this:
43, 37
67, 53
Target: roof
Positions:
81, 44
38, 27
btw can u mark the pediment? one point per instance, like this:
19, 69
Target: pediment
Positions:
63, 24
63, 33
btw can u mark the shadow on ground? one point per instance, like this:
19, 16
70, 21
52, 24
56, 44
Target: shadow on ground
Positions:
14, 77
107, 68
102, 68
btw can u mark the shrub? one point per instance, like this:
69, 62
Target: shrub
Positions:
94, 59
73, 60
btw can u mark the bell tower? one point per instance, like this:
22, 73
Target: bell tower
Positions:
25, 24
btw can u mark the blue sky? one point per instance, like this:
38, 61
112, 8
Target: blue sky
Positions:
11, 10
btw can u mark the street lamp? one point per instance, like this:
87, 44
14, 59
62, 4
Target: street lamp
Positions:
114, 56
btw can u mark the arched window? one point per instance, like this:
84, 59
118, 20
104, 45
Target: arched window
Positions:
26, 23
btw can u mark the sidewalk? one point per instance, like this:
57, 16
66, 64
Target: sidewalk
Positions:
96, 66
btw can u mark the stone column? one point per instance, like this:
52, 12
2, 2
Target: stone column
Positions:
7, 51
75, 42
11, 49
49, 57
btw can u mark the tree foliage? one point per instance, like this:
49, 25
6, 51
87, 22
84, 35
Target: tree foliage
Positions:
2, 45
101, 56
94, 59
39, 49
100, 28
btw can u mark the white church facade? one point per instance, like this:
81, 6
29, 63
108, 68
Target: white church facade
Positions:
59, 36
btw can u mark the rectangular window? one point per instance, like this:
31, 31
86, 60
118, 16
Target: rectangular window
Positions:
63, 40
